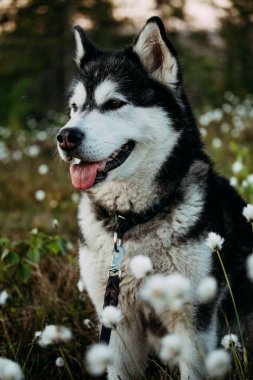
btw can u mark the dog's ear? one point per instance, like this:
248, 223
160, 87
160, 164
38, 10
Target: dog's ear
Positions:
157, 54
85, 49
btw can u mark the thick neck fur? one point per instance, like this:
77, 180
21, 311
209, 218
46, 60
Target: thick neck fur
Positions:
139, 196
125, 196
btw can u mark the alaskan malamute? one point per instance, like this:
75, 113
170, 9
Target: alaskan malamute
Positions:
135, 151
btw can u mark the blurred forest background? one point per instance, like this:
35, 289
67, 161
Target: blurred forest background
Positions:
36, 45
36, 64
38, 242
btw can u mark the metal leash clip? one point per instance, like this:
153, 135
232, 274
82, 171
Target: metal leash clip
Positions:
117, 256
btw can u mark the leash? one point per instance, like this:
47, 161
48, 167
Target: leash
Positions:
111, 296
122, 224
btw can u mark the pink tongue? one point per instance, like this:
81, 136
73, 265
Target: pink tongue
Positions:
83, 175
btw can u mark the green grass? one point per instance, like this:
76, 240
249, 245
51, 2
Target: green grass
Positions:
42, 290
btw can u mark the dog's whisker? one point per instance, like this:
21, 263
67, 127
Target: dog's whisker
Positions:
53, 152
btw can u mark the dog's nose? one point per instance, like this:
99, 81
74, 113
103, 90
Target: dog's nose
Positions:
69, 138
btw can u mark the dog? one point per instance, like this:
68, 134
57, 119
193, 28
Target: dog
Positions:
135, 150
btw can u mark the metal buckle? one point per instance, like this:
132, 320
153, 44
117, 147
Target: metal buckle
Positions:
117, 250
117, 256
114, 273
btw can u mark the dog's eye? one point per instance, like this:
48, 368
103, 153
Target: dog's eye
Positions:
113, 104
74, 107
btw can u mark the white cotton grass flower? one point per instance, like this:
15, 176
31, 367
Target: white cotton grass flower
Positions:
40, 195
111, 317
217, 363
37, 334
59, 362
214, 241
171, 291
55, 224
171, 348
250, 179
224, 127
31, 122
216, 143
203, 132
154, 291
98, 358
10, 370
43, 169
17, 155
178, 290
207, 290
41, 135
4, 152
231, 341
33, 151
233, 181
54, 334
80, 285
53, 203
87, 323
3, 297
249, 267
140, 266
70, 246
245, 183
237, 167
248, 212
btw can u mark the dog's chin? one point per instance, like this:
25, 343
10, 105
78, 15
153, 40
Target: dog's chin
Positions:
86, 174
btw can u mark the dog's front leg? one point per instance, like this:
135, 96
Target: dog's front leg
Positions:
191, 363
194, 344
195, 347
129, 347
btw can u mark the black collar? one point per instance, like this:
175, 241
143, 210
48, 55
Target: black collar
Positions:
123, 222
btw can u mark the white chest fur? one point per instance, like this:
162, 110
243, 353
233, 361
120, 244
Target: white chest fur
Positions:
157, 239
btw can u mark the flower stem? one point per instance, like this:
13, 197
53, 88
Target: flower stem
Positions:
66, 363
234, 305
238, 364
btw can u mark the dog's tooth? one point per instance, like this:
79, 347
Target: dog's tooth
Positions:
76, 161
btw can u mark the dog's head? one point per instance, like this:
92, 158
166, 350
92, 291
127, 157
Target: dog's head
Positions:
126, 110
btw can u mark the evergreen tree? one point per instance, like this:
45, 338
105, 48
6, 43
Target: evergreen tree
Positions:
237, 32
